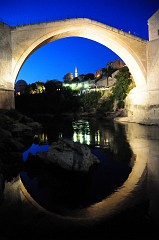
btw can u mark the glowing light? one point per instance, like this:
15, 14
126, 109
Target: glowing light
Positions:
81, 138
86, 85
73, 85
79, 85
88, 139
60, 135
75, 137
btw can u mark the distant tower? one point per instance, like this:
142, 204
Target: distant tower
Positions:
76, 72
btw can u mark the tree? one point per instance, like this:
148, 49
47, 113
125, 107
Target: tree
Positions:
68, 77
40, 87
108, 71
90, 100
122, 86
32, 87
37, 87
51, 86
89, 76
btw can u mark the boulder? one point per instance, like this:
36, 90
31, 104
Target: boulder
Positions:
70, 155
18, 129
35, 125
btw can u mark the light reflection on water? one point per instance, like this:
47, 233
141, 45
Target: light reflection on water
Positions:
83, 135
107, 143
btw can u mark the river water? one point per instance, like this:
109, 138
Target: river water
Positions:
117, 199
72, 190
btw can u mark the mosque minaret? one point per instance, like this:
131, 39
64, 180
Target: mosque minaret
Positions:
76, 72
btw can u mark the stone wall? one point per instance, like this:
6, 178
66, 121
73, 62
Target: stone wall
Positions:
153, 53
153, 26
7, 99
143, 106
6, 81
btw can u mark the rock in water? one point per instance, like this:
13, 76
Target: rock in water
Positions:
70, 155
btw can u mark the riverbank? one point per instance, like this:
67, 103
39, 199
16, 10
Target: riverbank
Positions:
17, 132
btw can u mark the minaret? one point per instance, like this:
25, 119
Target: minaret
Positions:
76, 72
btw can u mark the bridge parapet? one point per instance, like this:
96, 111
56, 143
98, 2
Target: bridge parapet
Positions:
76, 20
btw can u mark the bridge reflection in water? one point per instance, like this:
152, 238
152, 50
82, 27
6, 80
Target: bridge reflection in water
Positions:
141, 185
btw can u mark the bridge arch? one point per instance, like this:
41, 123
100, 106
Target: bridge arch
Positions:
141, 56
131, 49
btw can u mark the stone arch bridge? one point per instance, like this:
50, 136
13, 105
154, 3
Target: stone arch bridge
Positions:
141, 56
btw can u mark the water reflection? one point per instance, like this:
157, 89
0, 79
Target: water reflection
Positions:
81, 132
106, 141
85, 135
41, 138
102, 134
142, 184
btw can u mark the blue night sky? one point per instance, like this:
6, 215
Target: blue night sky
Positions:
55, 59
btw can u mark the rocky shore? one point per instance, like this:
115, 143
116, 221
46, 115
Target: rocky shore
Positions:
17, 132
